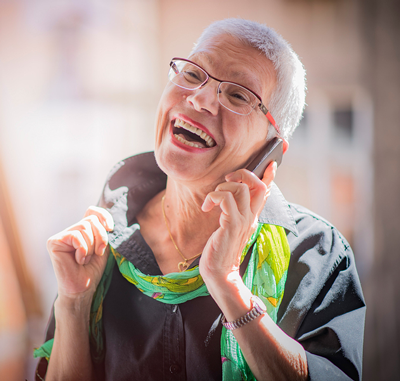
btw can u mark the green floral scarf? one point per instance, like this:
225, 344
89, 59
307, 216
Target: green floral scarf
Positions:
265, 276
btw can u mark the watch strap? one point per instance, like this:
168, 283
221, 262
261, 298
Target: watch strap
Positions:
258, 309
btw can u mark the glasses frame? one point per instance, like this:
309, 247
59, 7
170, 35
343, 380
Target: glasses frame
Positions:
260, 105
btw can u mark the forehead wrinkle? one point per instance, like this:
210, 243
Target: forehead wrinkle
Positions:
260, 76
250, 82
238, 76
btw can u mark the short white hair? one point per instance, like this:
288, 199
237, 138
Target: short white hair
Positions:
288, 99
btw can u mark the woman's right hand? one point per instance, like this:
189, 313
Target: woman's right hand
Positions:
79, 253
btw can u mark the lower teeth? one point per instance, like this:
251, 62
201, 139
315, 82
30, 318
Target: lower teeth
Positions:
191, 144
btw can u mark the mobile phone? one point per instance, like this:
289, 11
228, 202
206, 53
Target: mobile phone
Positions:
273, 151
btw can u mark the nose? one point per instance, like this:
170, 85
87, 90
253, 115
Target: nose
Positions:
205, 98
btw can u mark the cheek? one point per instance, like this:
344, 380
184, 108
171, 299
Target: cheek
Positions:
248, 136
160, 121
240, 128
169, 99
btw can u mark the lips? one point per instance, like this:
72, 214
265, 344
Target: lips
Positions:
192, 136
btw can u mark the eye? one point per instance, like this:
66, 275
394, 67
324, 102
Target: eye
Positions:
193, 75
238, 95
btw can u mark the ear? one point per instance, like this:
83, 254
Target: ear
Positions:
285, 145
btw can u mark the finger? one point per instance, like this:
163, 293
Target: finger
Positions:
103, 215
80, 246
99, 233
268, 178
257, 188
240, 192
68, 242
85, 228
89, 257
224, 199
246, 177
269, 173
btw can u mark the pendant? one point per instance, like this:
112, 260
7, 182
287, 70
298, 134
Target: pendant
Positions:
182, 266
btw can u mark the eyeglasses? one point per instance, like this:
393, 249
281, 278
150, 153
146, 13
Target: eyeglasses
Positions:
236, 98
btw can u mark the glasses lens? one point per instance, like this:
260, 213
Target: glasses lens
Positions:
236, 98
186, 75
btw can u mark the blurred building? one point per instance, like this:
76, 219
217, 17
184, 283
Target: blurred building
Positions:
17, 294
381, 38
79, 87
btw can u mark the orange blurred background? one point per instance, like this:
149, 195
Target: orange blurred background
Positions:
79, 86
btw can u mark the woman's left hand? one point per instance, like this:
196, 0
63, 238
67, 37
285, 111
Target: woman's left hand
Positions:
241, 199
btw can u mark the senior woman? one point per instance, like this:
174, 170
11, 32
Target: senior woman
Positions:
207, 272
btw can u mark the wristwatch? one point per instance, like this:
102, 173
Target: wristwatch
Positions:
258, 308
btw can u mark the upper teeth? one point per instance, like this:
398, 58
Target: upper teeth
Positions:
208, 139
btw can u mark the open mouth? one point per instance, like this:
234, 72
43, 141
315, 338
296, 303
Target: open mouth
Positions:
191, 136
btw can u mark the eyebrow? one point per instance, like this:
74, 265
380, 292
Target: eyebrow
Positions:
238, 75
249, 81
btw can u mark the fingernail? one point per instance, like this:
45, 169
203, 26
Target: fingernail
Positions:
204, 204
86, 260
110, 223
229, 175
103, 249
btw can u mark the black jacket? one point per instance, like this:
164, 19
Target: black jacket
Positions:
322, 308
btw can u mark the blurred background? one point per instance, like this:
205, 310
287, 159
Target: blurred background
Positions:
79, 86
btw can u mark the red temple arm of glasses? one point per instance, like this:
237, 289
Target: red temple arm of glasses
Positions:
269, 117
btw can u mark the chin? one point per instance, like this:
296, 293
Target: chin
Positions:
172, 164
184, 170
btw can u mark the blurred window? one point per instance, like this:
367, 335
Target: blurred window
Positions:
343, 124
301, 131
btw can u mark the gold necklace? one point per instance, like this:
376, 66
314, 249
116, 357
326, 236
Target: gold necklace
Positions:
182, 266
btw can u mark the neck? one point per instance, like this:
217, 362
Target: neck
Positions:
189, 225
